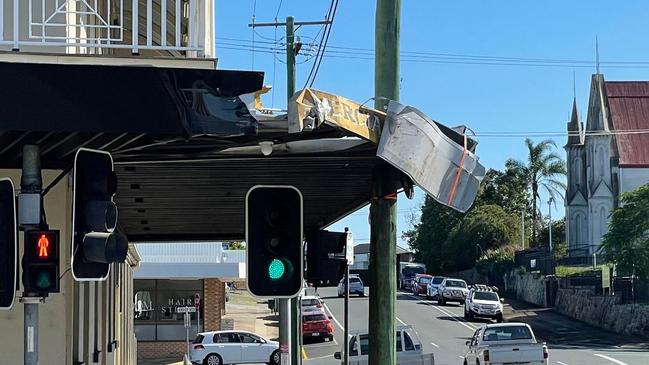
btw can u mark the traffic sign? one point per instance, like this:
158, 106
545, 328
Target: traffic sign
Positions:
185, 309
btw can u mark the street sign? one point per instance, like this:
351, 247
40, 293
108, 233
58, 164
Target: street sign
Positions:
311, 108
606, 276
350, 248
185, 309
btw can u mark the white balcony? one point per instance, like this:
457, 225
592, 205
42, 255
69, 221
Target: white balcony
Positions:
163, 28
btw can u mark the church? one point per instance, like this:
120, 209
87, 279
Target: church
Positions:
607, 157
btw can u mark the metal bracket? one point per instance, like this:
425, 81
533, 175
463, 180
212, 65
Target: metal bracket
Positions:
31, 300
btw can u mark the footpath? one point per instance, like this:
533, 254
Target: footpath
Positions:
564, 331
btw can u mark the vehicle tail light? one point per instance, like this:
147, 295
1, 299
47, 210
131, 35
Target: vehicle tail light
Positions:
330, 327
486, 356
546, 354
199, 347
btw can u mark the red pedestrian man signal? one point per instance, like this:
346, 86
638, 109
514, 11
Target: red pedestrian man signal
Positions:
43, 247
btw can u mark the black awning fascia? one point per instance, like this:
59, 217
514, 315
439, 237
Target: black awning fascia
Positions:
125, 99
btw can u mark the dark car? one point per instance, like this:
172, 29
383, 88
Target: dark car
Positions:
420, 284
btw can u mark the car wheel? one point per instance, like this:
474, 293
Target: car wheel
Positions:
466, 316
213, 359
441, 301
274, 358
499, 319
471, 316
331, 338
461, 302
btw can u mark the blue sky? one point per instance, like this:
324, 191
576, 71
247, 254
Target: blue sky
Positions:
487, 98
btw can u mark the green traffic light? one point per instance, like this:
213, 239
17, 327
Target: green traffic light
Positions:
43, 280
276, 269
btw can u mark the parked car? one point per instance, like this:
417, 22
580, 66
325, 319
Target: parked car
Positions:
505, 343
407, 272
317, 324
483, 303
310, 302
409, 349
420, 284
233, 347
355, 286
452, 290
431, 288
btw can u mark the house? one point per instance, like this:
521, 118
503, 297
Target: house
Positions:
605, 158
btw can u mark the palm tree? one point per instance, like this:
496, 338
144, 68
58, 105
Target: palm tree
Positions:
542, 169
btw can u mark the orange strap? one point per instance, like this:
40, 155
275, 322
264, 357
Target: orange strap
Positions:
451, 196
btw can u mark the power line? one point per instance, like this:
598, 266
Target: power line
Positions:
319, 53
324, 46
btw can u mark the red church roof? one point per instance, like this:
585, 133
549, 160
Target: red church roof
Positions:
628, 103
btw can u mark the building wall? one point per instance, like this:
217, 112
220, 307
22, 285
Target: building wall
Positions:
65, 332
214, 303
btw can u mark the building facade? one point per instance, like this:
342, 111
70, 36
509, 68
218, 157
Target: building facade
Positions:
605, 158
172, 277
92, 322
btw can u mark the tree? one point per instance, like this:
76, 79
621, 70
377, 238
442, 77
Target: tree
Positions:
627, 243
484, 228
428, 235
542, 169
507, 189
559, 245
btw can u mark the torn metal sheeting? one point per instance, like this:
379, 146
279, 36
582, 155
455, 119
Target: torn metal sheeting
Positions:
310, 109
431, 156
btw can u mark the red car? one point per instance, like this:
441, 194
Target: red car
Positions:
420, 284
316, 324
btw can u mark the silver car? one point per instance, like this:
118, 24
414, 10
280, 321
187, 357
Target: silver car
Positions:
355, 286
452, 290
431, 289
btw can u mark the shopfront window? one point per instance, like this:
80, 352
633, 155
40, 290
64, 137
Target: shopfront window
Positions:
159, 307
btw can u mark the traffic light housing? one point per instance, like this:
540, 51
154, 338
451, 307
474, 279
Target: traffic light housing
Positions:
8, 244
41, 262
95, 242
323, 270
274, 241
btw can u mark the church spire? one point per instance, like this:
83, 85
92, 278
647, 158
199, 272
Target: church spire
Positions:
575, 133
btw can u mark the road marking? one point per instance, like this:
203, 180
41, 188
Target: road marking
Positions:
461, 357
402, 322
333, 317
453, 316
304, 354
611, 359
561, 363
321, 357
434, 344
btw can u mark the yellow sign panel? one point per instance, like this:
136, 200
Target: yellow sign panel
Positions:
311, 108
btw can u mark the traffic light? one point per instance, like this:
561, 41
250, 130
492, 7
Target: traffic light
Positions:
323, 270
95, 243
41, 262
8, 244
274, 241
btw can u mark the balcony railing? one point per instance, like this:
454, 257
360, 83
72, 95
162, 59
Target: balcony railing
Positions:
180, 27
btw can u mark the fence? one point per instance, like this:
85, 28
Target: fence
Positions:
169, 25
535, 259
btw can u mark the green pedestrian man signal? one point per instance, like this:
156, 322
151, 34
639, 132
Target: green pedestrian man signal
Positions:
43, 281
276, 269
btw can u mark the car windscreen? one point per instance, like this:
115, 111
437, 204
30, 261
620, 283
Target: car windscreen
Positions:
507, 333
455, 284
485, 295
412, 270
437, 281
314, 317
424, 280
309, 302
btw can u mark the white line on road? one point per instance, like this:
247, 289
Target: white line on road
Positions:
434, 344
400, 321
561, 363
334, 317
461, 357
453, 316
618, 362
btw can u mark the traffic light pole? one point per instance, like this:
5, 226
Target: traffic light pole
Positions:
31, 182
284, 330
382, 328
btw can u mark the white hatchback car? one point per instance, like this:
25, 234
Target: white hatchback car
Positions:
233, 347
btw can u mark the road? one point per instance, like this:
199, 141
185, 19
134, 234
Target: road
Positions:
443, 331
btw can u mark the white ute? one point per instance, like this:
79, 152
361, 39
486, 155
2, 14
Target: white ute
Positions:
505, 343
409, 349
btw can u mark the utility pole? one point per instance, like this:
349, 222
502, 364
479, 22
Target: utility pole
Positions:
30, 201
290, 308
383, 209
